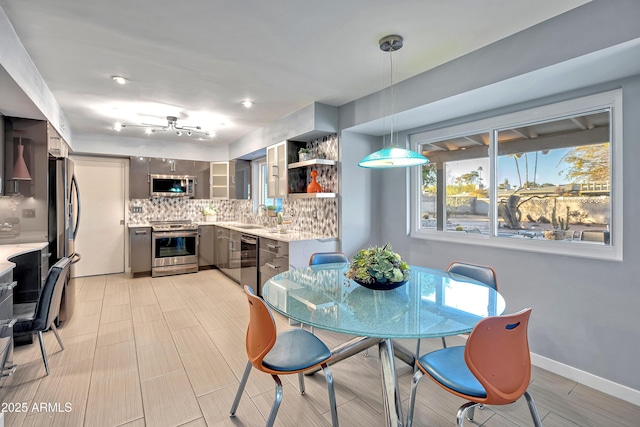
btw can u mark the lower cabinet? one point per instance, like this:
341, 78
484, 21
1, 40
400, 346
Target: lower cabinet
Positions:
6, 325
206, 248
140, 250
273, 259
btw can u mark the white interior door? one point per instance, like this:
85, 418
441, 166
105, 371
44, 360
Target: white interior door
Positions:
101, 236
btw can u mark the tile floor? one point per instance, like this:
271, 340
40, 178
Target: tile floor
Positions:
169, 352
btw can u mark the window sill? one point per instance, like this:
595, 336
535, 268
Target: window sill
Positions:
552, 247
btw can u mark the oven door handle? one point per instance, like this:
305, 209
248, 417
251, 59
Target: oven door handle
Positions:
248, 239
162, 234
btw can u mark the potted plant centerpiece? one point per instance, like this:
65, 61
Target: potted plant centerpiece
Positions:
304, 154
378, 268
210, 214
560, 226
271, 210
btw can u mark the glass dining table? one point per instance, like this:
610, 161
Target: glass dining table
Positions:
432, 304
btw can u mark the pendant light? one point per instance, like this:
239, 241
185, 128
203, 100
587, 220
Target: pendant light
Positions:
392, 156
20, 170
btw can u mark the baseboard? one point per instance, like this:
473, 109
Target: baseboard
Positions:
609, 387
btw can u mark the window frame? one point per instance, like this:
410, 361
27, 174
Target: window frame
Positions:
611, 100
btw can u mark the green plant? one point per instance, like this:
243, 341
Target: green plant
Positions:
559, 223
209, 210
272, 208
378, 264
304, 151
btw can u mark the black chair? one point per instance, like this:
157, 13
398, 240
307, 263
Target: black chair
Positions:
39, 317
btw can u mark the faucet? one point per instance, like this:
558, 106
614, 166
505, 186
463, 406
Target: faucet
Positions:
264, 209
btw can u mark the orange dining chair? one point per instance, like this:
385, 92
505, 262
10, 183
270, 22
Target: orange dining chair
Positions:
290, 352
493, 368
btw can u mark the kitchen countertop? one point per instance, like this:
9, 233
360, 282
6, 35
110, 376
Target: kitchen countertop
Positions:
8, 251
292, 236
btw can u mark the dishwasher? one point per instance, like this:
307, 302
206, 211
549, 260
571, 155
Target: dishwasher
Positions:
249, 261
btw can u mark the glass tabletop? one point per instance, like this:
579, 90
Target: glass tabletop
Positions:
433, 303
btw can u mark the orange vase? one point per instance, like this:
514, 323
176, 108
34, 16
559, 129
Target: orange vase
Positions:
313, 186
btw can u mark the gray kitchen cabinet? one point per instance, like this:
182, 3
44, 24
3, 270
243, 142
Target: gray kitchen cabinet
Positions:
140, 250
273, 259
138, 178
140, 169
206, 248
221, 251
172, 167
6, 325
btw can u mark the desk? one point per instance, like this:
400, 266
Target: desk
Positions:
433, 303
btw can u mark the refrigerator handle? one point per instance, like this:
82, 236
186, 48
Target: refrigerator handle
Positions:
74, 183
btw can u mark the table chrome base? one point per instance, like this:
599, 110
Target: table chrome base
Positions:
387, 350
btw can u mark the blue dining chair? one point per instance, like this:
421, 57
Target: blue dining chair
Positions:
493, 368
327, 258
481, 273
318, 258
291, 352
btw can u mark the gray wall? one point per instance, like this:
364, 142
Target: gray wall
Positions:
360, 200
585, 311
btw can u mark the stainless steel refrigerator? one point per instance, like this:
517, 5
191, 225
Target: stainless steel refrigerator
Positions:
64, 220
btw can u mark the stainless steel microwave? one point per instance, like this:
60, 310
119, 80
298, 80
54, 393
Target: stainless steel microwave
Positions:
172, 185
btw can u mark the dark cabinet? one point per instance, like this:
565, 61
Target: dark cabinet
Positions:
206, 249
140, 250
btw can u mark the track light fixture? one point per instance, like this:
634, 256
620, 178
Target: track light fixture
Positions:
172, 125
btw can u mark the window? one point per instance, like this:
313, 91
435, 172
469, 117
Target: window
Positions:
547, 179
262, 198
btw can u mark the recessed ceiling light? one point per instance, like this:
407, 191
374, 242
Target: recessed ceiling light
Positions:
247, 103
117, 127
120, 80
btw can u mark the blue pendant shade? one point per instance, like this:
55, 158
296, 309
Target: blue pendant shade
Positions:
393, 157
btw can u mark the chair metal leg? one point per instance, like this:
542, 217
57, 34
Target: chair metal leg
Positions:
461, 412
533, 410
444, 343
243, 383
301, 382
332, 394
55, 332
276, 402
44, 352
417, 376
415, 365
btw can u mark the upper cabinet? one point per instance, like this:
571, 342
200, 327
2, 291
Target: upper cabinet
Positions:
141, 168
219, 180
290, 165
56, 146
277, 170
231, 180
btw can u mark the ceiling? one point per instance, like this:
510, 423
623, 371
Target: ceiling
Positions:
198, 60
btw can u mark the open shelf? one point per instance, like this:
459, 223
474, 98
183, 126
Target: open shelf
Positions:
312, 162
311, 195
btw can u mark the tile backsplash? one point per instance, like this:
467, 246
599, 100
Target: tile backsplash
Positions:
318, 216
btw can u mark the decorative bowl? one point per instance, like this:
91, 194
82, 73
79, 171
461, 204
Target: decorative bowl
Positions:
380, 286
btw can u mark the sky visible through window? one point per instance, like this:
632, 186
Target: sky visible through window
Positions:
548, 169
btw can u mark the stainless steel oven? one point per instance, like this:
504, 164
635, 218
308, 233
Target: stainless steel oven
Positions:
174, 249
